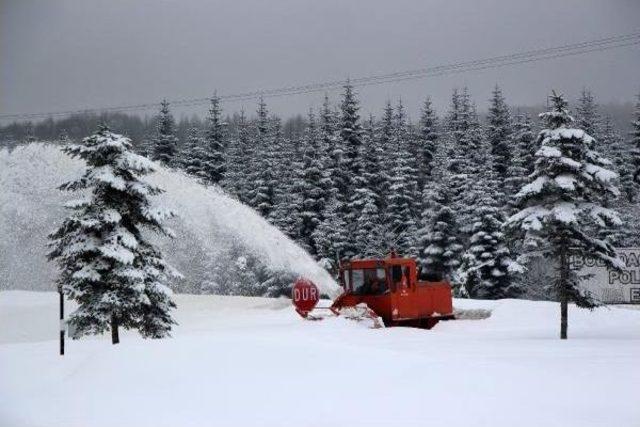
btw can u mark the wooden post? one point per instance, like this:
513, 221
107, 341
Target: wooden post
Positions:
62, 328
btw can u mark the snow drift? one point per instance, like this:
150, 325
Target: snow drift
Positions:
210, 223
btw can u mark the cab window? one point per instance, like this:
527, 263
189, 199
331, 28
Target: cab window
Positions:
369, 281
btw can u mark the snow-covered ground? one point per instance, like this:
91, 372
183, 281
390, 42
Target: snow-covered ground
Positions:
238, 361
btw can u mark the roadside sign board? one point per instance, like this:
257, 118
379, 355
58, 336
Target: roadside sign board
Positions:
610, 286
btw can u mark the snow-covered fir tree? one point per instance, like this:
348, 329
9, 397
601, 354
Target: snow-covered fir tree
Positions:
365, 202
560, 210
334, 177
350, 135
239, 160
368, 235
114, 274
286, 181
351, 165
442, 248
312, 192
165, 143
620, 154
525, 141
627, 235
499, 130
522, 161
488, 268
190, 157
463, 146
330, 237
428, 137
263, 180
372, 176
212, 155
587, 116
402, 196
384, 142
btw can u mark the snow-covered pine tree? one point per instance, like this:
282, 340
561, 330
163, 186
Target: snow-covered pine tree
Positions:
560, 211
499, 132
428, 137
115, 275
239, 161
165, 143
488, 268
190, 157
365, 201
627, 235
312, 192
212, 155
385, 138
402, 195
620, 154
263, 192
432, 196
442, 249
351, 136
330, 237
587, 116
522, 162
525, 141
286, 182
351, 144
464, 146
371, 155
368, 231
334, 177
415, 164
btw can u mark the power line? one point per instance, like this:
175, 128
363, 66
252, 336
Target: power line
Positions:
566, 50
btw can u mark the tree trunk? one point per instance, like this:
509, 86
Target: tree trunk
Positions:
115, 337
564, 303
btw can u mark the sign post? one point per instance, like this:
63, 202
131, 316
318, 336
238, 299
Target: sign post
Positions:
305, 296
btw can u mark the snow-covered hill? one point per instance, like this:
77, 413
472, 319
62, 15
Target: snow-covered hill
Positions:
211, 224
237, 361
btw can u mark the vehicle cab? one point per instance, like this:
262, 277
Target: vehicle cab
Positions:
391, 289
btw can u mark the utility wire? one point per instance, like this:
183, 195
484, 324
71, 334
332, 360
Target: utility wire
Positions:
566, 50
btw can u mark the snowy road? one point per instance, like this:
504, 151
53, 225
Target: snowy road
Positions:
238, 361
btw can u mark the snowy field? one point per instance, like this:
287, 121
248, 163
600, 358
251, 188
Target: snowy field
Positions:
237, 361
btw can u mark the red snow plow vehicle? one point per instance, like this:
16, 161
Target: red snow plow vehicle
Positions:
391, 290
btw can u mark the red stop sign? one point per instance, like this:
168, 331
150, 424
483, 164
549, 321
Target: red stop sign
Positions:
305, 296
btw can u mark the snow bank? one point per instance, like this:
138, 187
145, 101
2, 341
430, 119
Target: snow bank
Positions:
210, 222
238, 361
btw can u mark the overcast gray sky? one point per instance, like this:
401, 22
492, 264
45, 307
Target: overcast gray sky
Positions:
68, 54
